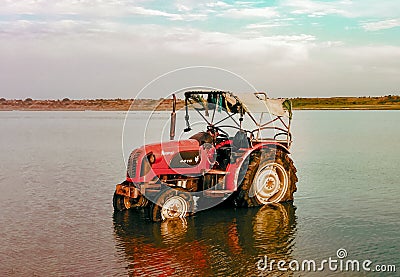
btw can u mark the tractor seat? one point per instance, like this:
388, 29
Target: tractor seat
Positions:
202, 137
240, 140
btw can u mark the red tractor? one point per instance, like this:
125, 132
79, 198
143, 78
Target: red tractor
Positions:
245, 163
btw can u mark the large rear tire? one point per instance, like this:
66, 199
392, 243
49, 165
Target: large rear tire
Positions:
270, 178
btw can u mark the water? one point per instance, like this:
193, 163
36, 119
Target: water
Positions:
58, 172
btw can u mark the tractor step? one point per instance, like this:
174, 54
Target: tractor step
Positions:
217, 172
217, 193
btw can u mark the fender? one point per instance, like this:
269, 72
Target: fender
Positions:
231, 181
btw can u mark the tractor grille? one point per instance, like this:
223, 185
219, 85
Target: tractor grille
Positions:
132, 163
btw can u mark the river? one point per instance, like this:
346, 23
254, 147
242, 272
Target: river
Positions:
58, 172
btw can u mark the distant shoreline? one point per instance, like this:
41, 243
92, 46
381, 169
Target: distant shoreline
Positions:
389, 102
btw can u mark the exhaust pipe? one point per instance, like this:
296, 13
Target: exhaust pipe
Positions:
173, 118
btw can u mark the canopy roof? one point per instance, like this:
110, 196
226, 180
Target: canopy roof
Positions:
249, 102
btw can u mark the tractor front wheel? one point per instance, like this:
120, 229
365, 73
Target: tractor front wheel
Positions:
121, 203
171, 203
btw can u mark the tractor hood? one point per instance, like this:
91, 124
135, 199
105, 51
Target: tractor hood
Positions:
172, 157
170, 147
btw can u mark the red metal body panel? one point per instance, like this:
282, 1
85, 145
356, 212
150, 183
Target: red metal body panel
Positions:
164, 152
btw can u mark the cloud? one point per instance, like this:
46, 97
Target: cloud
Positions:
39, 29
271, 23
374, 9
184, 40
144, 11
269, 50
381, 25
219, 4
318, 8
93, 9
264, 25
345, 8
171, 16
267, 12
105, 48
373, 56
117, 60
97, 59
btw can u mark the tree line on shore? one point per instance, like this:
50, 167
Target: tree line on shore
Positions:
366, 102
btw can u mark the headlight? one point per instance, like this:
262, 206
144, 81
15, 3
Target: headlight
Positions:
148, 160
151, 158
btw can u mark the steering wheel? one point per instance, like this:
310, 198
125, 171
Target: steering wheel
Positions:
219, 130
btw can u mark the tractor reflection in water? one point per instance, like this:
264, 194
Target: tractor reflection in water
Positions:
217, 241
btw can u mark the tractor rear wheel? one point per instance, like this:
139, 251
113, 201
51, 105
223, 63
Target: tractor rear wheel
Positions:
270, 178
171, 203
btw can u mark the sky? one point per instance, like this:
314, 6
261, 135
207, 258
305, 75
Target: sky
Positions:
84, 49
